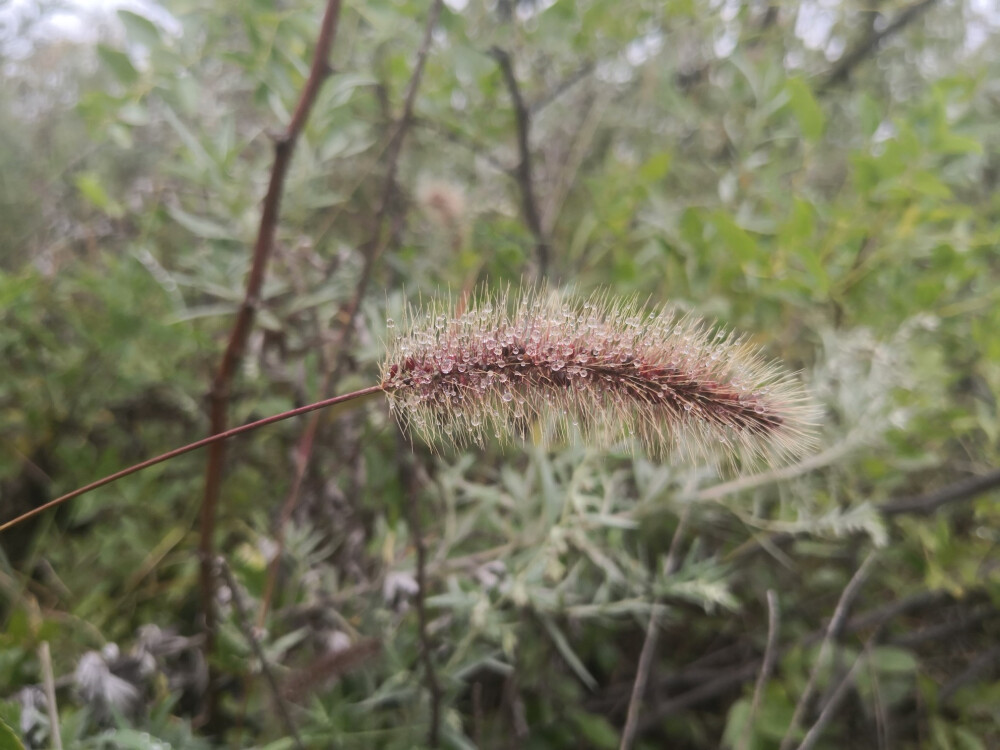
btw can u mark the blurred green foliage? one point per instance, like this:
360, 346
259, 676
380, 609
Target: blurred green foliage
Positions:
703, 154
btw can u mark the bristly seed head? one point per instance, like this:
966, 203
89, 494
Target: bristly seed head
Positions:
610, 369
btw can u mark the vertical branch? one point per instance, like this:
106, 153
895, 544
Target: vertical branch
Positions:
284, 146
258, 652
641, 678
373, 250
529, 204
412, 499
832, 633
770, 655
816, 731
650, 642
48, 679
378, 242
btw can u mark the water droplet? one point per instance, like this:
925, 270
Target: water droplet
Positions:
390, 323
506, 396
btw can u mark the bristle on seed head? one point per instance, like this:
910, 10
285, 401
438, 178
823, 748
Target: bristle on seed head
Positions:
606, 368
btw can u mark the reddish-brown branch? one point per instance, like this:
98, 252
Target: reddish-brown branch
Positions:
411, 484
529, 204
377, 244
284, 146
373, 250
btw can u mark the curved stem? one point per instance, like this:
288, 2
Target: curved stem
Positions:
192, 447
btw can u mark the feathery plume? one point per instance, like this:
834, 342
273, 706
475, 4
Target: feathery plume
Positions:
608, 369
442, 201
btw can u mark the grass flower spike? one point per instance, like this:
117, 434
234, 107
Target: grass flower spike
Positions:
610, 369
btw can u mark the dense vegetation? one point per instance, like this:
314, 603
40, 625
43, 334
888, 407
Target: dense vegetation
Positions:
821, 176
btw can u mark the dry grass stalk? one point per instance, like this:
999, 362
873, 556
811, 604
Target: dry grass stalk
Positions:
605, 368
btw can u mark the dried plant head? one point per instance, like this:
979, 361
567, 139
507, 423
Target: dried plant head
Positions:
608, 369
442, 202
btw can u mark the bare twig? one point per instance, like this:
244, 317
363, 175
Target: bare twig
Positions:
706, 690
814, 733
284, 146
829, 456
672, 562
650, 641
411, 483
841, 72
945, 631
377, 244
265, 667
975, 671
961, 491
954, 493
729, 677
770, 655
458, 137
832, 633
641, 677
329, 665
45, 657
210, 440
373, 250
579, 148
562, 87
529, 204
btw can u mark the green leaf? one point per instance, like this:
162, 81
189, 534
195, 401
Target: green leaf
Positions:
91, 188
805, 108
595, 729
656, 167
893, 659
118, 63
342, 87
574, 662
199, 226
139, 28
737, 723
799, 225
9, 740
950, 143
734, 238
966, 740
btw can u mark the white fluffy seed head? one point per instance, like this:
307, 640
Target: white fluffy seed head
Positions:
607, 369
